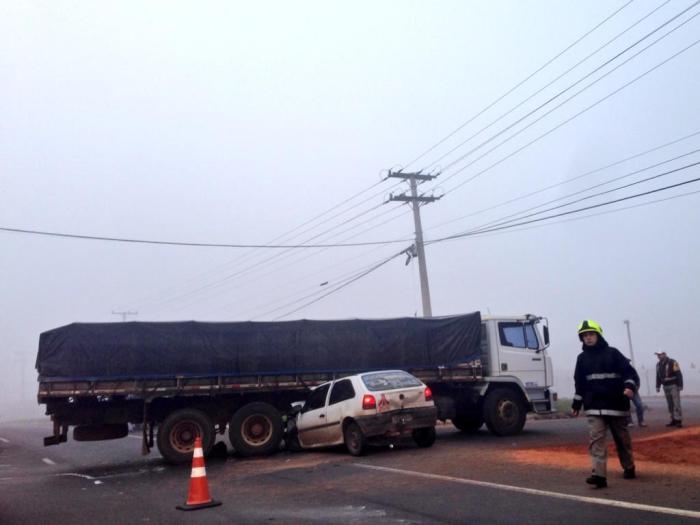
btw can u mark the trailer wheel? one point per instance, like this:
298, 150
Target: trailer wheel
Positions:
468, 425
256, 429
424, 437
504, 412
176, 435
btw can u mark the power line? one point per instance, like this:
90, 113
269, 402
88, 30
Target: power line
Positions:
576, 115
530, 97
345, 284
261, 265
318, 289
562, 214
589, 216
590, 84
516, 228
497, 100
566, 181
624, 186
520, 214
194, 244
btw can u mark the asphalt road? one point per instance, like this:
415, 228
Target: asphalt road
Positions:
461, 479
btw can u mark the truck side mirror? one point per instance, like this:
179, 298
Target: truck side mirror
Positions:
545, 332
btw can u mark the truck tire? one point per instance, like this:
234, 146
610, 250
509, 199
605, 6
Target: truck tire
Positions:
256, 429
424, 437
504, 412
468, 425
355, 440
177, 432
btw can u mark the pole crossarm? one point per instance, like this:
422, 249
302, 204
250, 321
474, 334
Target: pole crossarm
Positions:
408, 198
416, 176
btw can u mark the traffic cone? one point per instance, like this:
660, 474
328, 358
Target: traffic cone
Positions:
198, 497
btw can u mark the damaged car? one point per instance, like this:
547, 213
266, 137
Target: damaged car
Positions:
383, 406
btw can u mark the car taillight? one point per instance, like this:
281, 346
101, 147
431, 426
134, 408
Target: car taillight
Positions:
428, 394
368, 402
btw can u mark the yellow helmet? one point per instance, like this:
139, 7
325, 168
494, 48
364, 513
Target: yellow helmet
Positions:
589, 326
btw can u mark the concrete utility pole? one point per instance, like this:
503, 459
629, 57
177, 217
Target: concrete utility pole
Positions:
124, 314
416, 201
629, 340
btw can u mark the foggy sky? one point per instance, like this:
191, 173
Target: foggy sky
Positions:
229, 122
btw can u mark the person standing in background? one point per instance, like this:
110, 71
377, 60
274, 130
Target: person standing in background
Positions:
637, 402
669, 375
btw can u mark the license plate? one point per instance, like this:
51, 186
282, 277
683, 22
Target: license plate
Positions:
403, 419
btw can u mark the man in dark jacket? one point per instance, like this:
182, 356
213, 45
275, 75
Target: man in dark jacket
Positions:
604, 386
668, 374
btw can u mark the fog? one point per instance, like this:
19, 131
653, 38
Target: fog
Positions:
236, 123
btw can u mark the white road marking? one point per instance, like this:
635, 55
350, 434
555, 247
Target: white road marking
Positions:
84, 476
135, 437
536, 492
4, 440
48, 461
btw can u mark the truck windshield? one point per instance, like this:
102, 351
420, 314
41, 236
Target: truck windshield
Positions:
389, 380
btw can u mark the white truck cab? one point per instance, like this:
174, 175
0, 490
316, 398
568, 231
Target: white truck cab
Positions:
516, 378
514, 350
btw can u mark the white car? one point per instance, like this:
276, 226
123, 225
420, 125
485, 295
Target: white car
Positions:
364, 407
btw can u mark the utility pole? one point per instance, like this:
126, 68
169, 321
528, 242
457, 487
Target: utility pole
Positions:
124, 314
629, 340
416, 200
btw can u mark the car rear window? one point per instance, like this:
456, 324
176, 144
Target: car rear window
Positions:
389, 380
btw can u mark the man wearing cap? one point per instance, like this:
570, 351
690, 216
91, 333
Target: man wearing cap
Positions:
668, 374
605, 384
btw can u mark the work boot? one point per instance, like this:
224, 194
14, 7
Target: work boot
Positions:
672, 423
598, 481
642, 424
679, 423
629, 473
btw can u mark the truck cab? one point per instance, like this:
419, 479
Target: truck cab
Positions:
515, 378
514, 350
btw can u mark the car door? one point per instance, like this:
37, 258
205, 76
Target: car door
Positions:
311, 421
341, 392
519, 353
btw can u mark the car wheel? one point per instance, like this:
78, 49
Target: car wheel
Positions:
355, 440
424, 437
176, 435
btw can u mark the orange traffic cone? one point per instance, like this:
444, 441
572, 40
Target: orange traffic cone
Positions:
198, 497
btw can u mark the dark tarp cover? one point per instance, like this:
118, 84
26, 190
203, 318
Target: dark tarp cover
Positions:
145, 349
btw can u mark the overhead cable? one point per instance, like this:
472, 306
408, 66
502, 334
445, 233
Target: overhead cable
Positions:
504, 95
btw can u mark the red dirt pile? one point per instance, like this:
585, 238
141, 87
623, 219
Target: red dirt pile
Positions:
674, 452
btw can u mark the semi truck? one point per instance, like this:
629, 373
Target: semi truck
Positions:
179, 380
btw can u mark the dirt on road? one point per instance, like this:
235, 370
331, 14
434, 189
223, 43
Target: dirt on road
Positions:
675, 452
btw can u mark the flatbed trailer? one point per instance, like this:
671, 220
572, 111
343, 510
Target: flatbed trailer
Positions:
100, 409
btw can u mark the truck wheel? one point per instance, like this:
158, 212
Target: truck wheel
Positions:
468, 425
354, 439
176, 435
424, 437
255, 429
504, 412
